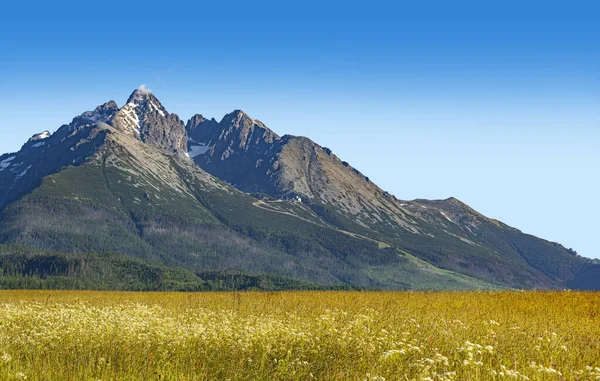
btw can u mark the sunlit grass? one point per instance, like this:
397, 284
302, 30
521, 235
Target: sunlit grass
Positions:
299, 336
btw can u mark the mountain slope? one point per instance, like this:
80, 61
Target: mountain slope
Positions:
135, 181
106, 183
446, 233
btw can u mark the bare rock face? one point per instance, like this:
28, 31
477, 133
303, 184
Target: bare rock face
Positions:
101, 114
146, 118
45, 153
166, 132
246, 153
234, 149
201, 131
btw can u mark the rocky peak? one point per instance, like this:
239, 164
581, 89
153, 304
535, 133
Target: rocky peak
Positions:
143, 99
101, 114
245, 129
37, 140
198, 120
201, 132
107, 108
41, 136
146, 119
235, 115
139, 94
239, 119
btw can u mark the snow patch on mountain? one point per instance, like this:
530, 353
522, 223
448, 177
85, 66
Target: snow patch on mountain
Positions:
157, 108
197, 150
40, 136
131, 119
6, 163
24, 172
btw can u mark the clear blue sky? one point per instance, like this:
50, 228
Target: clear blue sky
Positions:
497, 105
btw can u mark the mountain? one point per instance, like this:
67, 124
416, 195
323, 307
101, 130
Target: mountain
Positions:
446, 233
145, 118
210, 197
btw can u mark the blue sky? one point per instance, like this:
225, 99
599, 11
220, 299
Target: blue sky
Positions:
497, 105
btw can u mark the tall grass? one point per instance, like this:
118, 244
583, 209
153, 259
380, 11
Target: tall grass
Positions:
299, 336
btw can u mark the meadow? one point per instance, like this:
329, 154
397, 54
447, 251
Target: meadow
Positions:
374, 336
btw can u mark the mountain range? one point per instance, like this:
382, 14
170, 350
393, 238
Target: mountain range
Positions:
132, 197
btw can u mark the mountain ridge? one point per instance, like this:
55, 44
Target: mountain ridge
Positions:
295, 209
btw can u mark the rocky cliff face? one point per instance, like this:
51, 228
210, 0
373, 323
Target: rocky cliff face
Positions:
144, 117
236, 142
46, 153
246, 153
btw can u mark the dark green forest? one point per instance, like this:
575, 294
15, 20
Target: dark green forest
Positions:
23, 268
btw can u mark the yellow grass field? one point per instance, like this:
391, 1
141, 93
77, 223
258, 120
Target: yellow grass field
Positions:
63, 335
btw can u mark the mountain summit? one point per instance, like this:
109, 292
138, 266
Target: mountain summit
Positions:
145, 118
234, 195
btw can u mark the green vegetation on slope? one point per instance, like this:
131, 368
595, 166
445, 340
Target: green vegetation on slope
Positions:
22, 268
99, 210
205, 226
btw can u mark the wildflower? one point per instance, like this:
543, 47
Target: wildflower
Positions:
392, 353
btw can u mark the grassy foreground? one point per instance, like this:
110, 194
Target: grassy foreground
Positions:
60, 335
